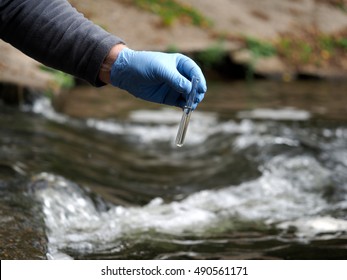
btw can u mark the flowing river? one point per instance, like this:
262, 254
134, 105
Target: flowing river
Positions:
262, 175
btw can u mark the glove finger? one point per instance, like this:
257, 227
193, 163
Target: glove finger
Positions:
179, 77
188, 68
197, 100
180, 99
178, 83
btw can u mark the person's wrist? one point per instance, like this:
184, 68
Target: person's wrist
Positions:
105, 70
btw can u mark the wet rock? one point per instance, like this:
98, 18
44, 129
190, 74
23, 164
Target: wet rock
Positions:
22, 230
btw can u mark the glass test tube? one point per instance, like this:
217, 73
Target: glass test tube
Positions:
187, 110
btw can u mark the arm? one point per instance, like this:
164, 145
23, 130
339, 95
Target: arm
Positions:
106, 66
54, 33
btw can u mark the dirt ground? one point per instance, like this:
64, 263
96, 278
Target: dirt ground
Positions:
260, 19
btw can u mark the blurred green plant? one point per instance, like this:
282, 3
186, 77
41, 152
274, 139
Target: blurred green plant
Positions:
340, 4
212, 56
326, 42
311, 48
260, 48
343, 7
342, 43
62, 80
171, 10
172, 49
305, 51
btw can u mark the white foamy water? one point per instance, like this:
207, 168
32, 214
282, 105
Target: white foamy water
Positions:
310, 227
43, 106
284, 114
150, 126
288, 194
162, 125
147, 126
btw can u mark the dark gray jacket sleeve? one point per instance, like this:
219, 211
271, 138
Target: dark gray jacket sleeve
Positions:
54, 33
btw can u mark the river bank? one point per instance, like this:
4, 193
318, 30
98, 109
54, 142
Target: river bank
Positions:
282, 39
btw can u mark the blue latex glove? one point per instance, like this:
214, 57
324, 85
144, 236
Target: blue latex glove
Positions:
157, 77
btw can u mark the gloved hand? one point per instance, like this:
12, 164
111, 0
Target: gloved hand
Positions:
157, 77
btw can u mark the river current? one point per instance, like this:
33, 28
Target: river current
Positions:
262, 175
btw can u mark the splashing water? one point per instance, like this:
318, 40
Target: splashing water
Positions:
268, 184
290, 191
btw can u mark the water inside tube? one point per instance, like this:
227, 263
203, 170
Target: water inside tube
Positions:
255, 186
187, 111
